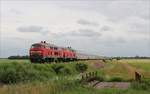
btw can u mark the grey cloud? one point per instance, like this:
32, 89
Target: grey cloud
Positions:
106, 28
88, 33
112, 41
120, 10
121, 40
18, 38
138, 26
139, 29
86, 22
32, 29
82, 33
15, 11
85, 33
115, 10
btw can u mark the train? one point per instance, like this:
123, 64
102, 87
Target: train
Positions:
45, 52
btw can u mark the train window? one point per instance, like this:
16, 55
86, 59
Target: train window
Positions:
51, 47
55, 48
36, 46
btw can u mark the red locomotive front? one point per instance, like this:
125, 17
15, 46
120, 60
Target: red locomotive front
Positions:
45, 52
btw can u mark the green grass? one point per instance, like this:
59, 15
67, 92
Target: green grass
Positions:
139, 64
14, 60
66, 87
15, 72
136, 60
28, 78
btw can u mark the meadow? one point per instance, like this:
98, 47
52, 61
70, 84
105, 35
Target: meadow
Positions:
23, 77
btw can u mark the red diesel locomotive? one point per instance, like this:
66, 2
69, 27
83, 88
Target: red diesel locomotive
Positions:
45, 52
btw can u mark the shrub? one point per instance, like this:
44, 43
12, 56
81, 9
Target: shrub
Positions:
56, 68
19, 72
18, 57
65, 70
116, 79
81, 67
104, 60
26, 72
100, 78
8, 76
60, 69
107, 60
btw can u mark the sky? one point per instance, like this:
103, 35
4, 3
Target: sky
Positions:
99, 27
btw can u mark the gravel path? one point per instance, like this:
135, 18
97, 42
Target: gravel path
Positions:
120, 85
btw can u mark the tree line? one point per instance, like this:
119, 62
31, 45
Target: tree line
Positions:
135, 57
18, 57
118, 58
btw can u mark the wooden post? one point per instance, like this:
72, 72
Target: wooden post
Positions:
96, 74
86, 75
90, 74
137, 77
93, 74
82, 77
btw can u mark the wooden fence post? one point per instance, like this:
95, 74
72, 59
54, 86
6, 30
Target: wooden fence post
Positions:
96, 74
93, 74
82, 77
86, 75
90, 74
137, 77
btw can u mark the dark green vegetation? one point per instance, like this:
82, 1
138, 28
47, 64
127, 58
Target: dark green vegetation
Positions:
18, 57
81, 67
15, 72
22, 77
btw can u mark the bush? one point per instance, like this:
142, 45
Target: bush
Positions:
81, 67
100, 78
16, 72
60, 69
107, 60
18, 57
65, 70
116, 79
8, 76
21, 72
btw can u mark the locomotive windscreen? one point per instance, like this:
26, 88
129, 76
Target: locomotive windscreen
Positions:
36, 46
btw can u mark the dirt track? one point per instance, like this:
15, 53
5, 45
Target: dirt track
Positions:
120, 85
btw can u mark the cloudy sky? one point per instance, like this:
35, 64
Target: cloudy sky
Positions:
100, 27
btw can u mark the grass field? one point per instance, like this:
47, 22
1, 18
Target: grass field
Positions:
139, 64
27, 78
14, 60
